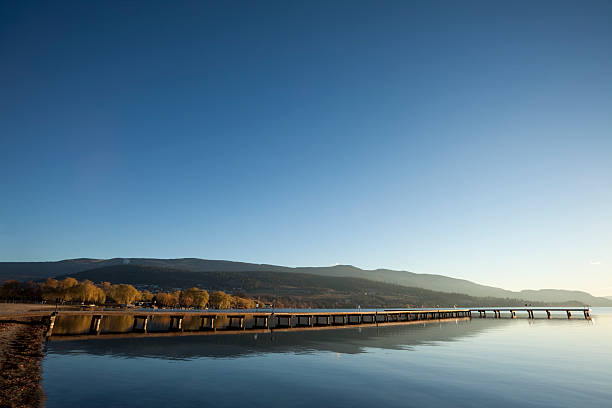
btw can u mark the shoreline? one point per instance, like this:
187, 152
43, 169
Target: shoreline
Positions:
21, 355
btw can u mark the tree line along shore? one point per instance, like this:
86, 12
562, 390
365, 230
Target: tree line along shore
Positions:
70, 290
241, 290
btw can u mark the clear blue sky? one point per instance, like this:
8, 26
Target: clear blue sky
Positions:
471, 139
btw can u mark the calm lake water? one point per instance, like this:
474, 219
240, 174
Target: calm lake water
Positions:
463, 363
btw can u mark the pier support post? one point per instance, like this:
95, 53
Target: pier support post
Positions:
569, 314
279, 324
211, 322
548, 314
144, 319
51, 324
94, 327
512, 314
240, 322
176, 323
308, 321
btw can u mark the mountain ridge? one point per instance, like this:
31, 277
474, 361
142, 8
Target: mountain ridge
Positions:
295, 289
41, 270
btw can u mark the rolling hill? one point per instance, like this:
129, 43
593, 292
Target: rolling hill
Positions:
291, 288
440, 283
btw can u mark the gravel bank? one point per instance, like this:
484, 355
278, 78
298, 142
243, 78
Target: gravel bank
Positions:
21, 354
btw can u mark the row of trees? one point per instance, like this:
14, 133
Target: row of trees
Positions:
71, 290
197, 298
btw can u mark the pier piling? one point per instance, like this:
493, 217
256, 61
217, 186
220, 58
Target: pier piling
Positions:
176, 323
210, 322
50, 324
239, 319
94, 327
145, 320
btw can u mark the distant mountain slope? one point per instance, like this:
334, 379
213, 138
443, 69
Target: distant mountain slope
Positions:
38, 270
306, 288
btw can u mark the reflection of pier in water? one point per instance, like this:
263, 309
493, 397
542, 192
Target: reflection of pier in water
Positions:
138, 323
345, 340
337, 339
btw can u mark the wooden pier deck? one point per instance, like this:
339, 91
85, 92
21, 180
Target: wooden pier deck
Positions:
167, 322
511, 311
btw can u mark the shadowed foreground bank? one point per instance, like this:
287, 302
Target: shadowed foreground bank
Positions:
20, 364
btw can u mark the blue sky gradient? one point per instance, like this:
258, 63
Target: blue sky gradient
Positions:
471, 139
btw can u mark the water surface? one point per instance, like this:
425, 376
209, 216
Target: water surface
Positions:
462, 363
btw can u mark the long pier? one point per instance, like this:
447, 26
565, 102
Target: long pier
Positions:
497, 312
235, 321
224, 321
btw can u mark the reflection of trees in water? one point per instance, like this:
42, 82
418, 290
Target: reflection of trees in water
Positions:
81, 324
343, 340
71, 324
117, 324
190, 322
74, 324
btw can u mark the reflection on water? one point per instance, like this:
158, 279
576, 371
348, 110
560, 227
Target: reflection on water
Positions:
463, 363
338, 340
